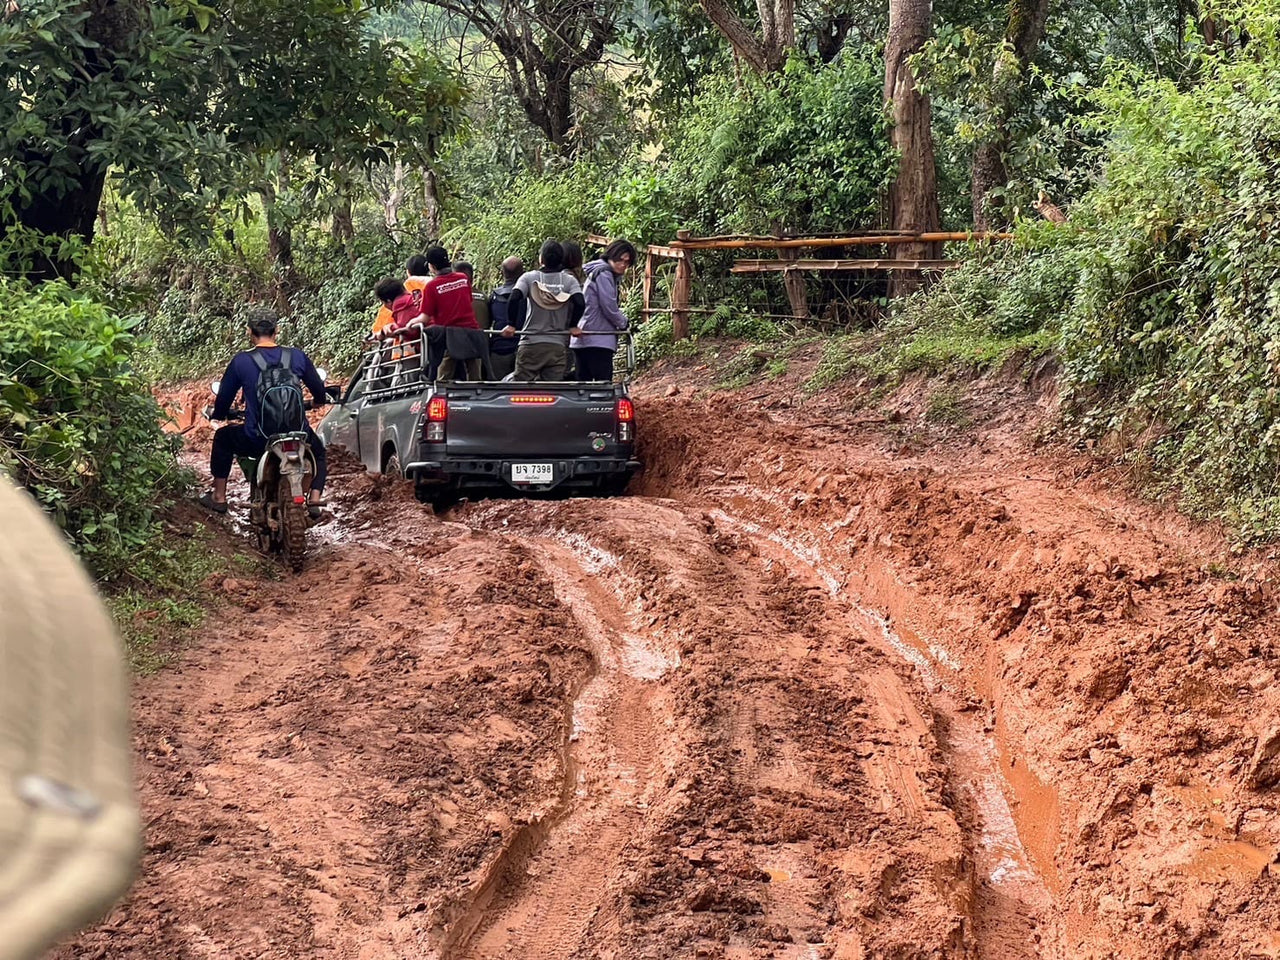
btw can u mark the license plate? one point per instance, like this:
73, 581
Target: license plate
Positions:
532, 473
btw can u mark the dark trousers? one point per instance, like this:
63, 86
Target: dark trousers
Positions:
503, 363
231, 441
594, 363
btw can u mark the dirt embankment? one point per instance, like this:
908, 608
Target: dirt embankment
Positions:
821, 687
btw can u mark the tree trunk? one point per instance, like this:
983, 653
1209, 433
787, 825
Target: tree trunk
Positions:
913, 197
1022, 36
766, 53
433, 207
558, 88
343, 229
395, 196
279, 242
62, 216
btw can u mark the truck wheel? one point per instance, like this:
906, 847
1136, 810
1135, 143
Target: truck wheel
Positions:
614, 486
391, 466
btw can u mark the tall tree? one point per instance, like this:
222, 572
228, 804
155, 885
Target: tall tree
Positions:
544, 45
1022, 35
764, 52
177, 99
913, 197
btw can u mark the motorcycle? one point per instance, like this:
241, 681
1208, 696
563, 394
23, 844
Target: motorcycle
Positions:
279, 481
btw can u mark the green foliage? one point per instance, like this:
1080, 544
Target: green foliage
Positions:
164, 593
190, 106
77, 426
564, 205
331, 318
805, 150
1173, 335
841, 356
1163, 289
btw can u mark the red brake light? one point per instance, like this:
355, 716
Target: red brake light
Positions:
299, 499
533, 398
438, 409
626, 411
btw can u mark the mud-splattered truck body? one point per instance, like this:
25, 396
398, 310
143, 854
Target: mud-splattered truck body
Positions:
450, 437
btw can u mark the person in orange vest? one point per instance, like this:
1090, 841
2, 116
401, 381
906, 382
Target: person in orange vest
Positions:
415, 281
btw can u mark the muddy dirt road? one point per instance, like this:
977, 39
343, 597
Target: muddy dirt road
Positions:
807, 693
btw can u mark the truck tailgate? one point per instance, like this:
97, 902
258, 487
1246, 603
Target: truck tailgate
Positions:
531, 420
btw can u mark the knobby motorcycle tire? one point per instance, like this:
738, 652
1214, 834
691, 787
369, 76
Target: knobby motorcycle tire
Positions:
293, 528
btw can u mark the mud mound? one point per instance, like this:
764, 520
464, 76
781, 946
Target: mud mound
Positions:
1127, 680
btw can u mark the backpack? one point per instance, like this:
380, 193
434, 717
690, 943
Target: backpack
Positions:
498, 304
280, 403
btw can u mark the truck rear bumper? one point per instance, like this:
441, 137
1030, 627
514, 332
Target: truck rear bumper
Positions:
487, 471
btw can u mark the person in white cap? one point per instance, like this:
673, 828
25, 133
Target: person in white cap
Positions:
69, 830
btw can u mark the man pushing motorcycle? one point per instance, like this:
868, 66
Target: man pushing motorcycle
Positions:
271, 377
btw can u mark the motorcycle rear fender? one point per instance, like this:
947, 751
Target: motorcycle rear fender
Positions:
292, 466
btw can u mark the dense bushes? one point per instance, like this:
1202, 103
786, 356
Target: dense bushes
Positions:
78, 427
1165, 284
806, 151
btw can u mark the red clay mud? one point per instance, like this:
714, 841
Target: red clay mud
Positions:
830, 683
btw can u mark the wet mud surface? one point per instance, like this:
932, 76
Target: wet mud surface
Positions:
810, 691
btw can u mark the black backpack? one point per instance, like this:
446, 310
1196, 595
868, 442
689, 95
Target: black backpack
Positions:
499, 301
280, 403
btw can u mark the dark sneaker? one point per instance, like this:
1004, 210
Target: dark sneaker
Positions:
206, 500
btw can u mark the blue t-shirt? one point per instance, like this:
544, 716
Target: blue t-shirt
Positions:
242, 374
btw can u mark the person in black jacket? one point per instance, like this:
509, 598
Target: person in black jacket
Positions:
502, 350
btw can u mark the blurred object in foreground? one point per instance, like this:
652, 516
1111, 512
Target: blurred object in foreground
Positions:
69, 834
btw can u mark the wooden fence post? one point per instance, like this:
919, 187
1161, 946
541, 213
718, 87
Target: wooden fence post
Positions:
648, 283
680, 299
793, 281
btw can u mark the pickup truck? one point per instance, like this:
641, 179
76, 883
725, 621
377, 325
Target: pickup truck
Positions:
450, 438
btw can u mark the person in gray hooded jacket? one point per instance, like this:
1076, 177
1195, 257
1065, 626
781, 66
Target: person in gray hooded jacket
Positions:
551, 302
602, 317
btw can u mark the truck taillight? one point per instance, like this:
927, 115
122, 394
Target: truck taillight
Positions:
437, 414
626, 417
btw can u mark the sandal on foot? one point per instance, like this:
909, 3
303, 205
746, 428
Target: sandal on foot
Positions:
313, 511
206, 500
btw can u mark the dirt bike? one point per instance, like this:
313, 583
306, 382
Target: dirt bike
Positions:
279, 481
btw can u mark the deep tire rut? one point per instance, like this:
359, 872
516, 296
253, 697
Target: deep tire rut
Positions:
549, 902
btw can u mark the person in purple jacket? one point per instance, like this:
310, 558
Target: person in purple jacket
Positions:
603, 317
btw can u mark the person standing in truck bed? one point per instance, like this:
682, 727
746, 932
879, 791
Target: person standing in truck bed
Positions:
551, 301
447, 303
603, 318
502, 350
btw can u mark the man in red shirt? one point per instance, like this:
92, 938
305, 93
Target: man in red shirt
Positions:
446, 301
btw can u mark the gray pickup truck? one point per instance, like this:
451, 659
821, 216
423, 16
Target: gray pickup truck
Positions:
460, 436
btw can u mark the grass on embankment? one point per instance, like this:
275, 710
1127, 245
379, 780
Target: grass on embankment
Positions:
170, 589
